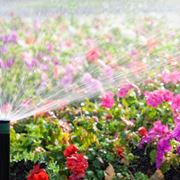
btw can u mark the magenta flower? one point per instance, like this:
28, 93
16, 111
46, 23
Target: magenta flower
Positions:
153, 99
160, 133
178, 150
172, 77
2, 65
6, 64
176, 103
3, 49
158, 96
176, 132
107, 100
176, 118
157, 131
9, 63
9, 38
163, 146
123, 91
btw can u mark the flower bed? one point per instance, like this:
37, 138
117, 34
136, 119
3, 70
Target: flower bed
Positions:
130, 138
130, 131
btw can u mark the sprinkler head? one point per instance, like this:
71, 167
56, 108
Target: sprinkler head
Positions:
4, 149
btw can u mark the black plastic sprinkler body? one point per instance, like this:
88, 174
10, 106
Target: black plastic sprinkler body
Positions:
4, 150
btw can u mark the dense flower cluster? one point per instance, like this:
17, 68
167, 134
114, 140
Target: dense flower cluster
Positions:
163, 136
171, 77
76, 163
71, 149
37, 174
157, 97
123, 91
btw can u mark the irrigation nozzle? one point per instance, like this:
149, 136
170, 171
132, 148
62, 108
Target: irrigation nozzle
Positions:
4, 149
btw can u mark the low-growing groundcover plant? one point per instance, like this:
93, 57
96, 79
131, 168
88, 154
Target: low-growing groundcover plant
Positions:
133, 133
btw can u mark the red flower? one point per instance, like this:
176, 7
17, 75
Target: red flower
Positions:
142, 131
77, 164
70, 150
93, 54
120, 152
37, 174
109, 117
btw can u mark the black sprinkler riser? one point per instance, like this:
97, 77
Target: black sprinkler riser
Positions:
4, 150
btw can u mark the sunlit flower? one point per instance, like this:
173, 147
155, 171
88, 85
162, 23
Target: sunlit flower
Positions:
157, 97
171, 77
123, 91
107, 100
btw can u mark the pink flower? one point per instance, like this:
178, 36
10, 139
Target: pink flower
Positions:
176, 117
107, 100
123, 91
108, 72
172, 77
6, 108
29, 60
92, 85
93, 55
176, 103
158, 96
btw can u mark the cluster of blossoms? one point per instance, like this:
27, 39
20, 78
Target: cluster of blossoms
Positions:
157, 97
37, 173
172, 77
107, 99
76, 163
123, 91
161, 134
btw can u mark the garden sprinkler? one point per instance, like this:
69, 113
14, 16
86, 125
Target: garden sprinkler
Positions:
4, 149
